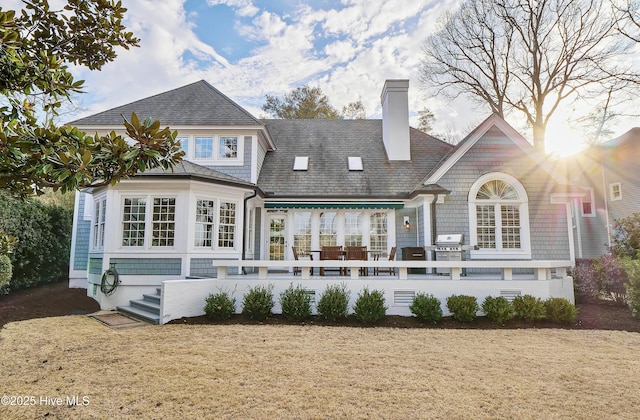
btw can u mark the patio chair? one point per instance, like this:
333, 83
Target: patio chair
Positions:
297, 256
332, 253
357, 253
390, 270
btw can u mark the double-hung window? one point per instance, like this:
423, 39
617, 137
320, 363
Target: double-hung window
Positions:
302, 231
136, 215
353, 229
379, 235
328, 229
227, 225
164, 221
499, 218
99, 217
205, 219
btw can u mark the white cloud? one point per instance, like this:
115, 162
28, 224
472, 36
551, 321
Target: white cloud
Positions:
244, 7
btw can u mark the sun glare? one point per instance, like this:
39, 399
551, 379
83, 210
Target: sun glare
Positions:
563, 140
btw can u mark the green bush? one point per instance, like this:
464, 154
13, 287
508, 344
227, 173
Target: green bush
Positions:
632, 268
41, 254
497, 309
258, 302
626, 238
369, 306
334, 302
219, 306
5, 271
560, 310
528, 307
463, 307
295, 303
426, 307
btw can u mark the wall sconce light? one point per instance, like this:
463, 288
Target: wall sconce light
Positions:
407, 225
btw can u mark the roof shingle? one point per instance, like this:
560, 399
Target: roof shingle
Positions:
198, 103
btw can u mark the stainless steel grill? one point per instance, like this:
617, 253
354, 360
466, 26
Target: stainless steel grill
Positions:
449, 248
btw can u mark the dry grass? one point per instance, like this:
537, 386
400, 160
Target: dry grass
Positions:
264, 371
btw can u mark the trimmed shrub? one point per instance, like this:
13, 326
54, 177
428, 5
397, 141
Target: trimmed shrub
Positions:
295, 303
560, 310
426, 307
219, 306
497, 309
334, 302
258, 302
463, 307
528, 307
369, 306
5, 271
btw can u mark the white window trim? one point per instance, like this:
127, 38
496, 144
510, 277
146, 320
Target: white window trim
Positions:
148, 221
216, 159
523, 207
236, 228
340, 228
95, 223
591, 196
612, 196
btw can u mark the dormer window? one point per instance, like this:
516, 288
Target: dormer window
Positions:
355, 163
301, 163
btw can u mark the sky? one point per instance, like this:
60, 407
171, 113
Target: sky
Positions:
250, 48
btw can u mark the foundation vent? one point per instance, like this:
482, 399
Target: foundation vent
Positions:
403, 297
510, 294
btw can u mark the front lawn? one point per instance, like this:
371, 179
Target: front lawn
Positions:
278, 371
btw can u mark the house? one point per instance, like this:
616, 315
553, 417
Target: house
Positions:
250, 189
607, 176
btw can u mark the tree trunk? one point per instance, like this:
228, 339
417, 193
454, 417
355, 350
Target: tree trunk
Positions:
538, 135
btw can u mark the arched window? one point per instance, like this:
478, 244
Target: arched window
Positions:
499, 218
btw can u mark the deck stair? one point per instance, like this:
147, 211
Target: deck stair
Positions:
146, 309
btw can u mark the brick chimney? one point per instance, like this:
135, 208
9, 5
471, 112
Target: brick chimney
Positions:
395, 119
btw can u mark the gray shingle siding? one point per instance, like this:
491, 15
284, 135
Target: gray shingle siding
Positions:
83, 236
95, 265
404, 237
496, 153
204, 267
241, 172
147, 266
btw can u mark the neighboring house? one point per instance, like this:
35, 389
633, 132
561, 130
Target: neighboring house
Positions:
608, 176
250, 189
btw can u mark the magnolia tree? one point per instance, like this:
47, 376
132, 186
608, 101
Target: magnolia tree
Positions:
36, 48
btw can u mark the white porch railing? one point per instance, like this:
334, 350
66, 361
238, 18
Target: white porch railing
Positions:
186, 297
543, 270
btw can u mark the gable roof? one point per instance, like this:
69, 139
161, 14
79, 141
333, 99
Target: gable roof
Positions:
198, 103
633, 135
329, 144
472, 138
